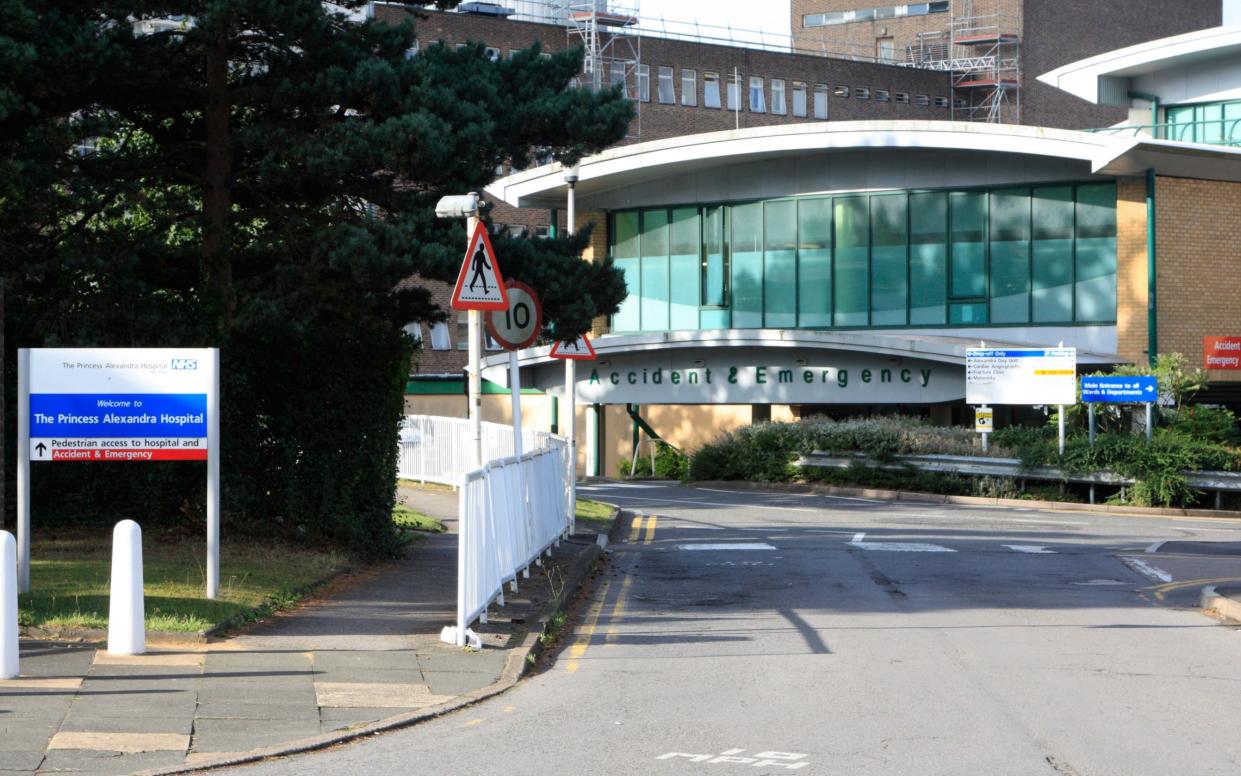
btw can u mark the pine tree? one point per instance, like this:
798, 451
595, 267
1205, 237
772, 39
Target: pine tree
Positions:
260, 175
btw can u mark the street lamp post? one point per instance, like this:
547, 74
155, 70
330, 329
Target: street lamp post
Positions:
466, 206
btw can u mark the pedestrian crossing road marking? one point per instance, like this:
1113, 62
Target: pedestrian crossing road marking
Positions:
898, 547
730, 546
1032, 549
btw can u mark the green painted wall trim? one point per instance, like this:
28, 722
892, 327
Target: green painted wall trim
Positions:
638, 422
1152, 310
555, 415
456, 387
598, 472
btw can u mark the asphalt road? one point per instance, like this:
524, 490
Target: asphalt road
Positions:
752, 633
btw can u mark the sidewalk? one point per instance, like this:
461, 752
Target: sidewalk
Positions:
367, 659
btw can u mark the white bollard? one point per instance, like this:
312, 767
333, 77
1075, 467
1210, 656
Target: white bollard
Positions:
126, 617
8, 606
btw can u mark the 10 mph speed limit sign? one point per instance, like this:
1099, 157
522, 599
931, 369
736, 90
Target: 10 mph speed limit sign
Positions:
518, 326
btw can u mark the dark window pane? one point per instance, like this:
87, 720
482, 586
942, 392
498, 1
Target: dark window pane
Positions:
780, 265
889, 259
683, 268
851, 271
747, 266
1052, 291
969, 256
714, 266
1095, 271
814, 263
1010, 256
928, 258
625, 250
655, 270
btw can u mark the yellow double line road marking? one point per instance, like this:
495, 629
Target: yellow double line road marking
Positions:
618, 611
588, 630
635, 529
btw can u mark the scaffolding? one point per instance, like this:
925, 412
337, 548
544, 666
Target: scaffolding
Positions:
610, 34
982, 56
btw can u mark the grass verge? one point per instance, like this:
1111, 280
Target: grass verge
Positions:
594, 515
413, 520
70, 572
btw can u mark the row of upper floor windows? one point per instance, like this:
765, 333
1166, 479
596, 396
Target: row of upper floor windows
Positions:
879, 13
775, 95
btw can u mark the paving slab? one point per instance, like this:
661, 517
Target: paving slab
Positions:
106, 763
20, 761
242, 735
125, 743
366, 695
81, 722
259, 709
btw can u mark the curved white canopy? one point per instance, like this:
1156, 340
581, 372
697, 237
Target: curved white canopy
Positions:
793, 159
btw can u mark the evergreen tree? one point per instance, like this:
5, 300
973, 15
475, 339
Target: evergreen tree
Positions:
259, 175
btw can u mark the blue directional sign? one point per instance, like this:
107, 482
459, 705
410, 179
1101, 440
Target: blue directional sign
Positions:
1120, 390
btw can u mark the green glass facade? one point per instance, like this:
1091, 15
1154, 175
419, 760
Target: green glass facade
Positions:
1217, 123
1004, 256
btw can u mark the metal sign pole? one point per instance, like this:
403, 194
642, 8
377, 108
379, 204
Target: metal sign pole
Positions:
1090, 410
1061, 414
570, 370
515, 386
474, 332
213, 476
1150, 431
23, 470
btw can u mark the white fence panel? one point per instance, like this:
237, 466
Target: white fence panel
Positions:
512, 511
437, 449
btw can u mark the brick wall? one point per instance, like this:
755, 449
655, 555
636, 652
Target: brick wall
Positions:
1131, 269
1198, 227
597, 250
1056, 33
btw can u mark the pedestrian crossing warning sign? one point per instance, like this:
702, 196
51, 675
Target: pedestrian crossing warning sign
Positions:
479, 284
578, 348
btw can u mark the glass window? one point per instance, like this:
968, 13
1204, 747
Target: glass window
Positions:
814, 262
747, 266
882, 95
757, 99
780, 265
616, 77
841, 91
644, 83
1010, 256
625, 253
685, 238
667, 95
968, 268
414, 331
922, 100
1052, 254
902, 97
967, 312
777, 97
889, 259
734, 92
885, 49
711, 90
820, 101
439, 336
799, 98
851, 270
941, 102
1095, 270
862, 93
928, 257
938, 7
655, 298
689, 87
714, 267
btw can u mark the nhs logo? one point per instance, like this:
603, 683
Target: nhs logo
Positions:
184, 363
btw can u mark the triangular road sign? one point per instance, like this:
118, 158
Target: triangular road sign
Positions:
578, 348
479, 284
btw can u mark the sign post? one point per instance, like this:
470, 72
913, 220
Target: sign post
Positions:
516, 328
479, 287
984, 423
572, 351
118, 404
1022, 376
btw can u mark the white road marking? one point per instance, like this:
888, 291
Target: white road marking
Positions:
899, 547
675, 503
791, 761
1099, 582
732, 546
858, 537
1155, 547
1144, 568
1032, 549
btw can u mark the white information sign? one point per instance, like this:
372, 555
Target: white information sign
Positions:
118, 404
1027, 376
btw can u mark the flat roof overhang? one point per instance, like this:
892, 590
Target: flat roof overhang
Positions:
633, 167
1104, 79
943, 348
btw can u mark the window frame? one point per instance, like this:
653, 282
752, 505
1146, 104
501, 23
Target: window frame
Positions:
800, 90
779, 107
689, 87
759, 92
665, 76
821, 91
644, 83
711, 90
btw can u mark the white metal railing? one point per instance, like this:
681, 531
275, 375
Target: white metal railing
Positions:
512, 511
437, 449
